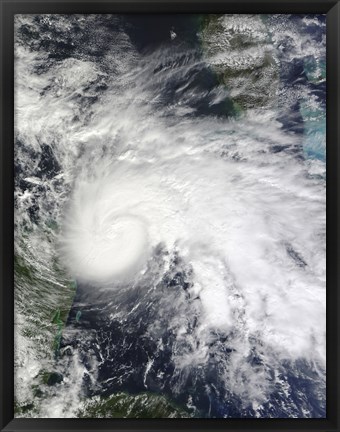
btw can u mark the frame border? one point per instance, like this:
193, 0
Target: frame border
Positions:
7, 10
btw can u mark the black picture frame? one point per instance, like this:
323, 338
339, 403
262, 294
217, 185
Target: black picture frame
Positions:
10, 7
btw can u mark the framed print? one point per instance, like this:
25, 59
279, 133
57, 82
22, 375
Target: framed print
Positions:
169, 215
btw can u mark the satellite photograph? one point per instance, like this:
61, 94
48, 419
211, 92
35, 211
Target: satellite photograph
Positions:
170, 216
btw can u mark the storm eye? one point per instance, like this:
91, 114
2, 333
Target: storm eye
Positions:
100, 245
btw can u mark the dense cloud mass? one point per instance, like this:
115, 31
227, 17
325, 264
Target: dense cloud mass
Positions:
183, 176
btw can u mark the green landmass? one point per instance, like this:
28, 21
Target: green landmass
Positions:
123, 405
44, 295
252, 82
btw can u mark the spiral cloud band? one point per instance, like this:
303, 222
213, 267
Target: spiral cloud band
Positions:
104, 240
